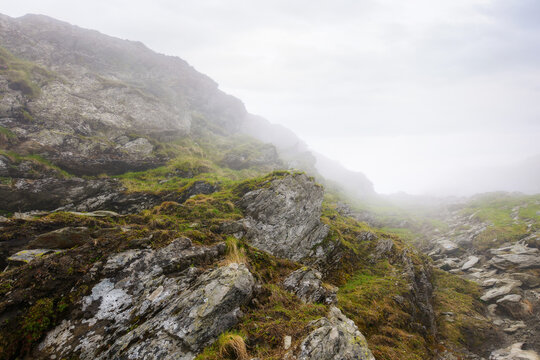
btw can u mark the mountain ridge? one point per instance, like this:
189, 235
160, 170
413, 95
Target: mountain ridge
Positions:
145, 214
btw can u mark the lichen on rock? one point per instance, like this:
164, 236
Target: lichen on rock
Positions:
283, 217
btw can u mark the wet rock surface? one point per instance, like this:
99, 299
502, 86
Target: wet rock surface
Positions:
25, 256
82, 195
153, 304
307, 284
283, 217
335, 337
510, 280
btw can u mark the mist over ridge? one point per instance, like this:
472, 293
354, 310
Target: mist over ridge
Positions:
418, 103
276, 180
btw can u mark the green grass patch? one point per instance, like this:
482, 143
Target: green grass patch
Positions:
36, 159
280, 313
456, 295
22, 75
369, 300
7, 133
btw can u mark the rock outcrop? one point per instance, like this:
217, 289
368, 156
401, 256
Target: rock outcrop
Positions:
307, 284
283, 217
508, 275
153, 305
335, 337
82, 195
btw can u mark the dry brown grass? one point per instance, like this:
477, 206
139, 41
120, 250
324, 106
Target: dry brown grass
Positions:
235, 253
232, 346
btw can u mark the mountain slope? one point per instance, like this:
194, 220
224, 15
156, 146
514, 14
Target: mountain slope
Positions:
145, 218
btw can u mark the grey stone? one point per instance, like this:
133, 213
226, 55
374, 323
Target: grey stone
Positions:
283, 217
178, 308
516, 261
471, 261
447, 263
287, 342
336, 337
448, 247
514, 352
510, 298
26, 256
500, 291
515, 327
307, 284
138, 147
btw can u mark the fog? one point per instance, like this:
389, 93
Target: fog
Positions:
426, 97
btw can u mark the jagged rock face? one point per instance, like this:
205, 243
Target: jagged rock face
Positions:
509, 276
52, 193
283, 217
153, 305
336, 337
244, 159
421, 294
76, 194
156, 91
307, 284
94, 92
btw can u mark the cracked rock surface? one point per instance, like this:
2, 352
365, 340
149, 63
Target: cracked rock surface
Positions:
153, 305
283, 217
336, 337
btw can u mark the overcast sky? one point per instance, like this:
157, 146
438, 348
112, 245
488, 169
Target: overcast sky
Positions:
419, 94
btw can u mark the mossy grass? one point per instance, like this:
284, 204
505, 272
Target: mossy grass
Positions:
510, 217
467, 326
369, 298
22, 75
279, 313
35, 158
7, 133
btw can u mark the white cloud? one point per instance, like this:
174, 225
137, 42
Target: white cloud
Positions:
387, 86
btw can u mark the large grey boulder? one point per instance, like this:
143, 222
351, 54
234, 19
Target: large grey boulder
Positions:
336, 337
516, 261
515, 256
448, 247
471, 261
307, 284
283, 217
498, 292
153, 305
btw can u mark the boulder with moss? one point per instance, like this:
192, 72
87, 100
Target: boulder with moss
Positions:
307, 284
335, 337
153, 304
283, 217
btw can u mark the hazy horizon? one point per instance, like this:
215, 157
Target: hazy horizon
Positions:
423, 97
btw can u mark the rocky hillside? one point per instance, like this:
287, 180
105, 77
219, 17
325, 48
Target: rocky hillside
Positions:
141, 218
494, 241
